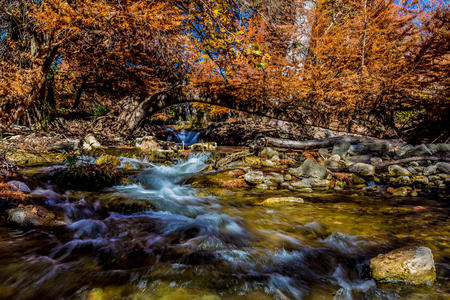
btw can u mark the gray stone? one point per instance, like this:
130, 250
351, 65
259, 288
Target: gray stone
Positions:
311, 183
148, 144
254, 177
420, 150
443, 167
32, 215
269, 153
430, 170
341, 149
332, 164
309, 168
412, 266
396, 170
376, 161
19, 186
335, 157
90, 142
360, 158
362, 169
377, 147
439, 148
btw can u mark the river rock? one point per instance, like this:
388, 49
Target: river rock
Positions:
19, 186
207, 146
90, 142
420, 150
401, 191
309, 168
310, 183
412, 266
28, 159
362, 169
335, 157
396, 170
443, 167
401, 180
253, 160
148, 144
32, 215
268, 163
421, 179
341, 149
441, 148
270, 152
282, 201
254, 177
430, 170
332, 164
108, 160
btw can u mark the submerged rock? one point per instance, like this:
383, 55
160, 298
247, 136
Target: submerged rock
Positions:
282, 201
309, 168
401, 191
412, 265
362, 169
32, 215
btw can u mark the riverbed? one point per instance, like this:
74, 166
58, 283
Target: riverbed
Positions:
195, 241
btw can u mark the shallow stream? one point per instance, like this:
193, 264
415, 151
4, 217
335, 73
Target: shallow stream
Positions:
160, 238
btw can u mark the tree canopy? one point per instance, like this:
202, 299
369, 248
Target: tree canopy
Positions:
347, 65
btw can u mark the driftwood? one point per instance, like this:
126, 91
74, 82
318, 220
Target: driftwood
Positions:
410, 159
322, 143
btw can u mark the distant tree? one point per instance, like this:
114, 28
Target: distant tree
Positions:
346, 65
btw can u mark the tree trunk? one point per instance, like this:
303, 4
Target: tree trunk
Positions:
135, 109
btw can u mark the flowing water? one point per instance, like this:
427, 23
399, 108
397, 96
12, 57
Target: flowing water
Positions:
187, 137
213, 243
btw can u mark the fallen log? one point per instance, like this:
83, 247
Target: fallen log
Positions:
322, 143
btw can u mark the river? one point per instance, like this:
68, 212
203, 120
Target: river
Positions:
203, 242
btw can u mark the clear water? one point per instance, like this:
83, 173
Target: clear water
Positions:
207, 242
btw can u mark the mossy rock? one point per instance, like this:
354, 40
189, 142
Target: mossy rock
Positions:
108, 160
411, 265
29, 159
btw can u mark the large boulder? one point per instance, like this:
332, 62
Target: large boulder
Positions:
309, 168
90, 142
411, 265
32, 215
362, 169
148, 144
420, 150
254, 177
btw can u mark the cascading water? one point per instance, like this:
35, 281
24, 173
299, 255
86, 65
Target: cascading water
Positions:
191, 244
188, 137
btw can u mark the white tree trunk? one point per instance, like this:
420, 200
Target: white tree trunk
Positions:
299, 47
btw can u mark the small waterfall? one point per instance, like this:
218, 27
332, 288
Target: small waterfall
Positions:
188, 137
